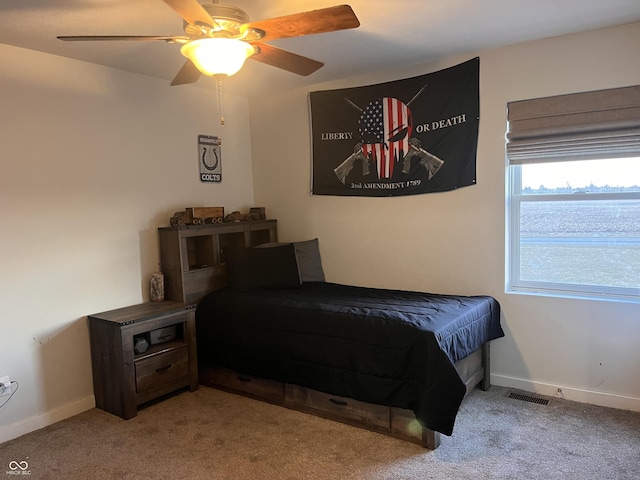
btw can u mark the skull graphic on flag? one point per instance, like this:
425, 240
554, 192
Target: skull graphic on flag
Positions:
385, 126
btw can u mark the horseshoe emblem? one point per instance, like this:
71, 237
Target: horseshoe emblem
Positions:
204, 160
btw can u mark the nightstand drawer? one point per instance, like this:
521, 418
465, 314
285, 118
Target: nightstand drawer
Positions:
160, 369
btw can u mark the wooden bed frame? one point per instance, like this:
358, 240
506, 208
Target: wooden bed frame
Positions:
192, 260
392, 421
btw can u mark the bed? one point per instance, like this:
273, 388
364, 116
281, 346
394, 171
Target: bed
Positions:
393, 361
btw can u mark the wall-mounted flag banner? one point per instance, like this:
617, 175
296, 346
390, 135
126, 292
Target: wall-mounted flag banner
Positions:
407, 137
210, 158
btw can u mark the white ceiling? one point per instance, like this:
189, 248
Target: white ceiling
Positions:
393, 33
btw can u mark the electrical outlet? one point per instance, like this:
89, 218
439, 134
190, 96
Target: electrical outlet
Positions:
5, 385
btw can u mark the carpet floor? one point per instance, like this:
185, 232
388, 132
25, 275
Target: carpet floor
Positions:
210, 434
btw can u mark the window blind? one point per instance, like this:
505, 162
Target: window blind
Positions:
579, 126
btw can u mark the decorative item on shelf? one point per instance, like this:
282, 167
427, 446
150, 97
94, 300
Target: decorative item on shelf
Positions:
257, 213
197, 216
236, 216
156, 287
162, 335
141, 344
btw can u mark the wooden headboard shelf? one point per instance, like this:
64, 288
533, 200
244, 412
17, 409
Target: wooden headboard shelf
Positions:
192, 258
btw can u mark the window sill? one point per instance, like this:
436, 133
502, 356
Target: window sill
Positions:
570, 295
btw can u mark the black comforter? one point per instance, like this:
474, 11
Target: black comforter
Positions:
389, 347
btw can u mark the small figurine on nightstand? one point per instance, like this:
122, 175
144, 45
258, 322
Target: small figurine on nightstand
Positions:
141, 344
156, 287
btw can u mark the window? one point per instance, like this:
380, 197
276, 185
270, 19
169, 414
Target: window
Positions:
573, 187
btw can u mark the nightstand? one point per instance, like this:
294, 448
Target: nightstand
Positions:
124, 379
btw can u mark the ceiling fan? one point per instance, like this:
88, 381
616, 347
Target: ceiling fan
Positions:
219, 38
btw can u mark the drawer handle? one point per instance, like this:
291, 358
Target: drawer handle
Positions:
243, 379
163, 369
338, 402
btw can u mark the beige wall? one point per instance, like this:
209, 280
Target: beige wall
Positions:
92, 161
455, 242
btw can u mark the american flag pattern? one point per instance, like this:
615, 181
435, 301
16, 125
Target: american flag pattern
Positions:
385, 128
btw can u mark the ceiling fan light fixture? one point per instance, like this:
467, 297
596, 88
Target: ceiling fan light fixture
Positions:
217, 56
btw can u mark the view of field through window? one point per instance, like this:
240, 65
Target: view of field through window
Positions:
580, 223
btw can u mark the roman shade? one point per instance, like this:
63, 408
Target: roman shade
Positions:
581, 126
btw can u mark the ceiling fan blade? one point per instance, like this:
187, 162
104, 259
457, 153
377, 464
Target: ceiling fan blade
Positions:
289, 61
340, 17
191, 11
187, 74
136, 38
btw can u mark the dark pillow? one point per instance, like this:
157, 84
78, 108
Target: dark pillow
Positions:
254, 268
309, 261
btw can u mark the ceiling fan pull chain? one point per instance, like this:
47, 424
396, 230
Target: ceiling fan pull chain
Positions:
219, 106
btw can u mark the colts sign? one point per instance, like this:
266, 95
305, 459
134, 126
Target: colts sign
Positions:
210, 158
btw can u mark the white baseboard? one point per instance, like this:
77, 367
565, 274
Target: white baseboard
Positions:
569, 393
42, 420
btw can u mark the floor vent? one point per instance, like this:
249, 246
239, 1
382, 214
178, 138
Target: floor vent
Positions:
529, 398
